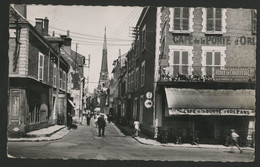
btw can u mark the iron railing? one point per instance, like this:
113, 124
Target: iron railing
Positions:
177, 73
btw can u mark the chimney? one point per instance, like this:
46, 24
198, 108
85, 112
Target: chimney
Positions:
21, 8
46, 26
53, 34
67, 42
39, 25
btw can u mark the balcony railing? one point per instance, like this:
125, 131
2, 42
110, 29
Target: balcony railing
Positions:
179, 73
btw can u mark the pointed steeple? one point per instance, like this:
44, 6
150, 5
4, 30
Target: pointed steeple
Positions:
103, 79
105, 40
104, 56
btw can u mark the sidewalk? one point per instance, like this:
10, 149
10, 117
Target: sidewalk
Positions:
55, 132
144, 139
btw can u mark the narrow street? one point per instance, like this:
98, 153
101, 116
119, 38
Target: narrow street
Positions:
84, 143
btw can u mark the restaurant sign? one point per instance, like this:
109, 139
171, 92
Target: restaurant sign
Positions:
233, 74
219, 112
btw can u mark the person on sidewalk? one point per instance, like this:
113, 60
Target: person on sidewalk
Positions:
137, 127
234, 137
101, 125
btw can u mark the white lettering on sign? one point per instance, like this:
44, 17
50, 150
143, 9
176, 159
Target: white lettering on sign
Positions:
238, 112
148, 103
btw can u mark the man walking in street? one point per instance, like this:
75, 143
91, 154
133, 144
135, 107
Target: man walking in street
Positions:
234, 137
101, 125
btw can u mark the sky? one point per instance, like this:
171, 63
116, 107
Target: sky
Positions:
86, 25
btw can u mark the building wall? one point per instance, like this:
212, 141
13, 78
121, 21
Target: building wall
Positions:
239, 47
240, 51
146, 55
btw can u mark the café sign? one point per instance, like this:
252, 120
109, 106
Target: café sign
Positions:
219, 112
232, 74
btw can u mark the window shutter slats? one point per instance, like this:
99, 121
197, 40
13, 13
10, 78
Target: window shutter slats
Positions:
177, 18
185, 57
209, 58
176, 57
177, 12
209, 13
217, 58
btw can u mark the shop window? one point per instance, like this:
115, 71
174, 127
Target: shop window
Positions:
40, 66
181, 20
254, 21
214, 20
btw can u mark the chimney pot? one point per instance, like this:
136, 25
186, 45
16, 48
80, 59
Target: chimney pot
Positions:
68, 33
53, 34
46, 26
39, 25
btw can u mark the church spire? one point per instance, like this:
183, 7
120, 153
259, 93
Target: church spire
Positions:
105, 40
103, 79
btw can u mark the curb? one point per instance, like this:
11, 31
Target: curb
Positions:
175, 145
52, 137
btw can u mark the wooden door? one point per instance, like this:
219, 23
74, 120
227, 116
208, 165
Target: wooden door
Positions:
15, 107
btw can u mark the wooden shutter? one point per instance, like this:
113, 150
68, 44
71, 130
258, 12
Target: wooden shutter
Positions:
209, 58
218, 25
254, 22
185, 57
176, 57
41, 64
185, 19
217, 58
210, 19
177, 19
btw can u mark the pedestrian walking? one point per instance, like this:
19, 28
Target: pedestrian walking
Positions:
234, 137
137, 127
88, 117
101, 125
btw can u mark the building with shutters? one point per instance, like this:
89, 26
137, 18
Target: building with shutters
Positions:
37, 76
205, 74
191, 73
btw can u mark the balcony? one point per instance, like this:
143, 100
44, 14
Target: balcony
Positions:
183, 73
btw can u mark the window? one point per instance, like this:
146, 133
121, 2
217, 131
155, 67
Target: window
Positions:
143, 37
54, 75
214, 20
64, 80
254, 21
129, 82
180, 60
137, 78
181, 20
213, 58
143, 74
40, 66
60, 79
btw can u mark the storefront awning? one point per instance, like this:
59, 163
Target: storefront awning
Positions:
210, 102
72, 104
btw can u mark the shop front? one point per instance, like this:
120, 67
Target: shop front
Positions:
207, 115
